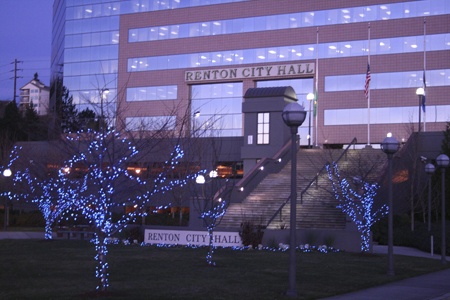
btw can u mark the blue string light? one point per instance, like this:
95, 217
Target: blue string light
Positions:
358, 206
94, 194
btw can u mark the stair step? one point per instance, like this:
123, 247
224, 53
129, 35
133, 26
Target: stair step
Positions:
316, 208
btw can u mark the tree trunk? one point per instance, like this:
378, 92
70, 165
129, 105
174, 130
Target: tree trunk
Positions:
209, 257
48, 229
101, 270
365, 239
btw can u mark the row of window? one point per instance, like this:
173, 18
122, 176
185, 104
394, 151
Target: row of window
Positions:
92, 95
202, 94
215, 113
386, 115
150, 123
391, 80
288, 53
92, 25
92, 39
94, 67
97, 8
89, 54
292, 20
227, 169
151, 93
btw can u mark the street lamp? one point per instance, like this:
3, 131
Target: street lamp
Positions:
390, 146
429, 169
103, 95
310, 97
443, 161
421, 93
6, 173
293, 115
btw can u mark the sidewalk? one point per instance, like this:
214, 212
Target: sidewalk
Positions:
433, 286
15, 235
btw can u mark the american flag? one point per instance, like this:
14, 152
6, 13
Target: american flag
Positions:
366, 86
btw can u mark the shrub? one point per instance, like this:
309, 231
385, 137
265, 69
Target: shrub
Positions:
251, 234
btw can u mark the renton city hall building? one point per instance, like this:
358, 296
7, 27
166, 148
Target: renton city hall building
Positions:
207, 57
205, 54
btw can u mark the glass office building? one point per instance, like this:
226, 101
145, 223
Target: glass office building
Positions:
159, 59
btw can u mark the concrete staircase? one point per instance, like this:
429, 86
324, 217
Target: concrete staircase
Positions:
315, 209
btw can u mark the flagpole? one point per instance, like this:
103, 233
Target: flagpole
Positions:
316, 94
368, 92
424, 70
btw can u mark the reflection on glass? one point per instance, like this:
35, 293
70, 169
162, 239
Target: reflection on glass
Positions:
217, 109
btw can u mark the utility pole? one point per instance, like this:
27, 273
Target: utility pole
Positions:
15, 77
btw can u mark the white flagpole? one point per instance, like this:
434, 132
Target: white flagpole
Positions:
316, 87
424, 70
368, 94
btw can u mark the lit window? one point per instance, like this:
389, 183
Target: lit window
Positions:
263, 128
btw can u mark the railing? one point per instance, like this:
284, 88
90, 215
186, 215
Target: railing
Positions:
315, 179
264, 167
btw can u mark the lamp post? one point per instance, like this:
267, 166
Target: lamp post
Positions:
310, 98
443, 161
6, 173
390, 146
421, 93
103, 95
429, 169
293, 115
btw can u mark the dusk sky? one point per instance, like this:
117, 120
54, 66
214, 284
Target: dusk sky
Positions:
25, 35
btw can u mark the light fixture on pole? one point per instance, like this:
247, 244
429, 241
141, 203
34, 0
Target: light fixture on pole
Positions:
103, 95
421, 93
429, 169
390, 146
293, 115
443, 161
310, 97
6, 173
200, 179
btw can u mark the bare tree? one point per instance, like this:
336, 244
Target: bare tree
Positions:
356, 200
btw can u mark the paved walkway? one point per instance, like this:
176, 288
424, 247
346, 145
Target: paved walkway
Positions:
16, 235
434, 286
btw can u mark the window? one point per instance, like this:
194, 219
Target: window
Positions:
150, 93
150, 123
217, 109
263, 128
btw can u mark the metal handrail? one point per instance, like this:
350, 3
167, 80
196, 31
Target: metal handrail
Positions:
252, 176
353, 142
315, 179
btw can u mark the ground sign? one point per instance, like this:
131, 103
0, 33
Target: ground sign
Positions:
197, 238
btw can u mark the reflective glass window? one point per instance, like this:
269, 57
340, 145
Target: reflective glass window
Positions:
151, 93
217, 109
305, 19
150, 123
384, 115
388, 80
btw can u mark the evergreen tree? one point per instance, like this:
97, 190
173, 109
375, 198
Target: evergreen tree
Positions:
34, 128
445, 149
88, 120
69, 114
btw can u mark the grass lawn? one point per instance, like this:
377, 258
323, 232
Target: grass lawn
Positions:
64, 269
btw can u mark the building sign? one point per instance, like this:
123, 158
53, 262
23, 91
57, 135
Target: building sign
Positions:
259, 72
197, 238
